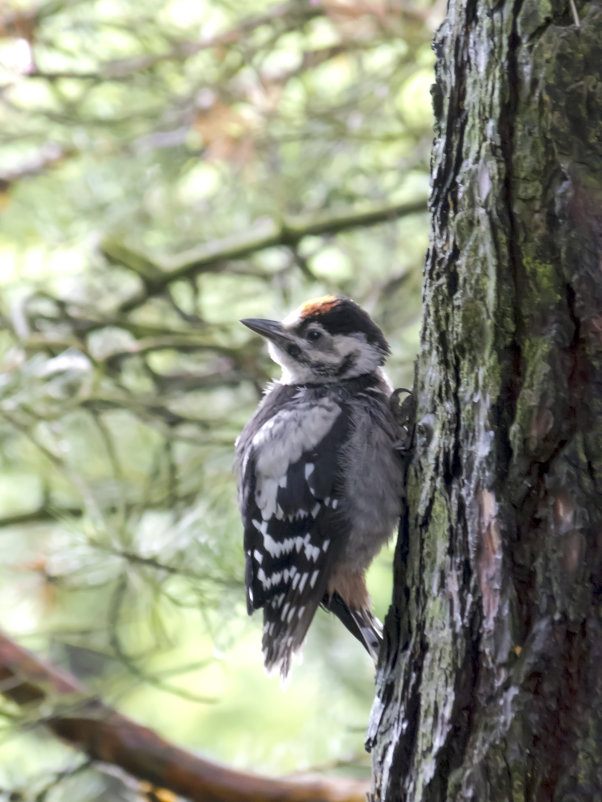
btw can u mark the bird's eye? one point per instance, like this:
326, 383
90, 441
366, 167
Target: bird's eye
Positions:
313, 335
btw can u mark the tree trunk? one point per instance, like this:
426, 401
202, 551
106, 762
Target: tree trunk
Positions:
489, 686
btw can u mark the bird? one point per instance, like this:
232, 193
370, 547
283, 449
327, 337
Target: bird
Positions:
319, 475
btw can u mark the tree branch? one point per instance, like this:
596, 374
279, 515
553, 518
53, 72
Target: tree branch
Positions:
48, 156
107, 736
156, 276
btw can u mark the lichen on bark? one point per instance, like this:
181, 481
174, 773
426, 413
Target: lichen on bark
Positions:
486, 682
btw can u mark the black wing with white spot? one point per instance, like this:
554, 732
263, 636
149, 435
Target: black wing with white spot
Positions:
289, 473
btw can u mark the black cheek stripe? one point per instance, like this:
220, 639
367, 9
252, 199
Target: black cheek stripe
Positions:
345, 365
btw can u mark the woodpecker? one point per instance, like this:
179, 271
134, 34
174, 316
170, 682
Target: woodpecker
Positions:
319, 475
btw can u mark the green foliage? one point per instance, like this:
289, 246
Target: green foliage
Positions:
134, 134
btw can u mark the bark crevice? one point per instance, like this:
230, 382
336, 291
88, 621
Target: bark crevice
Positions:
491, 698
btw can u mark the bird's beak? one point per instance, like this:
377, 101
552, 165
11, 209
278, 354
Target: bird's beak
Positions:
270, 329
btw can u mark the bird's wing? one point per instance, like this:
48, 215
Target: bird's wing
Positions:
293, 527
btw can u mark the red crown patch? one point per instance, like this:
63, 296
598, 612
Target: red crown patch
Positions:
318, 306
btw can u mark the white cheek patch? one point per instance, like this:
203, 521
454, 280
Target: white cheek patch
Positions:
280, 443
293, 372
367, 358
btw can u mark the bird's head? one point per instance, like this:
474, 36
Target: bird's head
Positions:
328, 339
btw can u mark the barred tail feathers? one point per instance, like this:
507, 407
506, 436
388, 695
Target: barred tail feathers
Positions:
285, 625
361, 623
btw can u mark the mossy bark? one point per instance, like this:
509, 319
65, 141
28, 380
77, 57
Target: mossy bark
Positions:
490, 682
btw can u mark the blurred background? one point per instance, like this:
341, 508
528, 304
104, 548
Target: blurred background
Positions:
167, 168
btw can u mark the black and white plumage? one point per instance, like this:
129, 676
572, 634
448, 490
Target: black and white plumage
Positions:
319, 475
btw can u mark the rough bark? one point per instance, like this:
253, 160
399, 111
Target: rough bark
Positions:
489, 686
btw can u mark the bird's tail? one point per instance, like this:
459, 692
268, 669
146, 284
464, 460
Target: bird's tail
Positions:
361, 623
